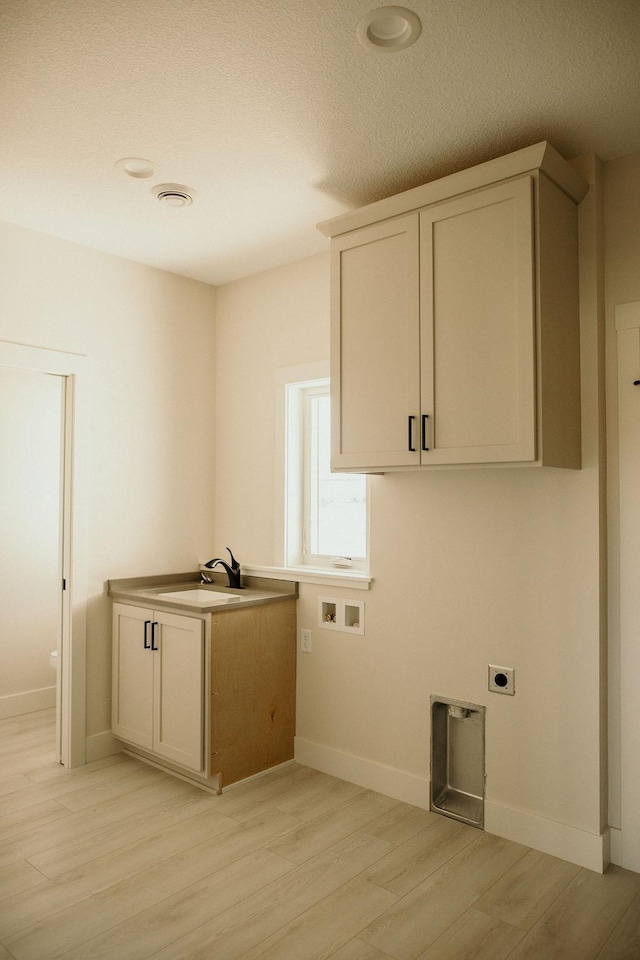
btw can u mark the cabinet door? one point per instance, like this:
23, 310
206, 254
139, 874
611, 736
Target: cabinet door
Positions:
178, 690
477, 326
375, 346
132, 687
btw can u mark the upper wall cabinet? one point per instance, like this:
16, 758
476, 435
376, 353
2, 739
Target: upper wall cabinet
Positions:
454, 321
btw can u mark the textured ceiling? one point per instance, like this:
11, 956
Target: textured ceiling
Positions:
277, 118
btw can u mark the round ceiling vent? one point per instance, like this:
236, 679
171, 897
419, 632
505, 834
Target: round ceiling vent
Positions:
389, 29
174, 194
136, 167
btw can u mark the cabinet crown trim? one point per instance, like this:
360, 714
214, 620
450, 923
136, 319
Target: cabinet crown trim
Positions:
541, 156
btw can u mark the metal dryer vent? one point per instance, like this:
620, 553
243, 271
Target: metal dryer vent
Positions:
457, 760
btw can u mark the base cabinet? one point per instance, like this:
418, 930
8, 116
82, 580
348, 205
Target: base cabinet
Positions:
158, 683
213, 698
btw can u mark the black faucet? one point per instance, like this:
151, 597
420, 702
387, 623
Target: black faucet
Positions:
233, 571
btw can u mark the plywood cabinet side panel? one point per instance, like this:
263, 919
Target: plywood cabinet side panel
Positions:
253, 679
558, 327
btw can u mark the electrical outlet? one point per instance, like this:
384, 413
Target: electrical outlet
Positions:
305, 641
502, 680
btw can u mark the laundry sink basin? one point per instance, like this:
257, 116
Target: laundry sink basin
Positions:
199, 596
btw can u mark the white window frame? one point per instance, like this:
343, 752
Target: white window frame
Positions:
305, 394
289, 513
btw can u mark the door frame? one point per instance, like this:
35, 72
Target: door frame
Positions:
71, 682
627, 323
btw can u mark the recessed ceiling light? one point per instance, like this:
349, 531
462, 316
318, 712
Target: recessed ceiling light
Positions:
136, 167
174, 194
389, 29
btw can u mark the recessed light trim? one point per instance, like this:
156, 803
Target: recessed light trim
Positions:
136, 167
174, 194
389, 29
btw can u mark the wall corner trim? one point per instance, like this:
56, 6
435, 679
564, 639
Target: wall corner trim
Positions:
616, 846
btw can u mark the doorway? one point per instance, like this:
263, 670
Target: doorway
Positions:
31, 484
44, 531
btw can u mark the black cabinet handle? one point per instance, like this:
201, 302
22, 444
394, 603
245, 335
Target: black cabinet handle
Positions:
425, 417
147, 646
153, 636
410, 434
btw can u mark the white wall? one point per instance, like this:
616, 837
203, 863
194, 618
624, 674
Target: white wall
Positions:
471, 567
268, 321
149, 339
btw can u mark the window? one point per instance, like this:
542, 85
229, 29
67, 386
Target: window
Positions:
325, 513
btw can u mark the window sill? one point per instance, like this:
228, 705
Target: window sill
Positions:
322, 576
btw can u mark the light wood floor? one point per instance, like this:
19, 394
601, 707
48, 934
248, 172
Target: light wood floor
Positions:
118, 860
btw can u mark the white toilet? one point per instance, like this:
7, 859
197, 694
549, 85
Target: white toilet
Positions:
53, 659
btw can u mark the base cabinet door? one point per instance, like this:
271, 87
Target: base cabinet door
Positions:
158, 683
178, 690
132, 666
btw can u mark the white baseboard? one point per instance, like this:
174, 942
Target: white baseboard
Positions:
101, 745
366, 773
588, 850
568, 843
16, 704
